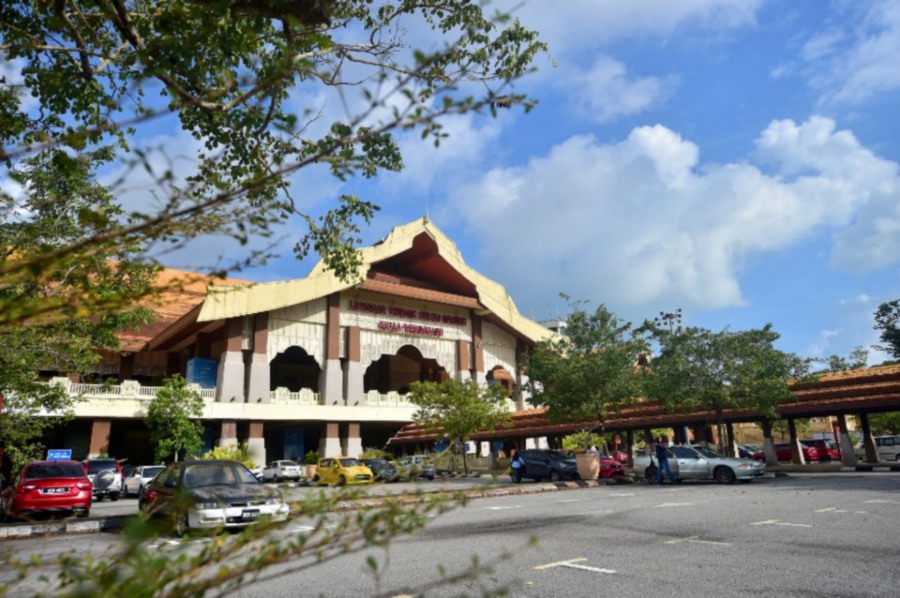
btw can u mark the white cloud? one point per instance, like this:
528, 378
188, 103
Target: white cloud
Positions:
644, 223
606, 91
857, 60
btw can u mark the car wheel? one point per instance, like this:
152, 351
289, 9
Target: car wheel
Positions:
181, 525
276, 479
317, 480
114, 496
99, 498
342, 481
430, 478
724, 475
554, 476
650, 474
83, 514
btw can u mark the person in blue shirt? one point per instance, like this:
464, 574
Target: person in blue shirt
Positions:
662, 461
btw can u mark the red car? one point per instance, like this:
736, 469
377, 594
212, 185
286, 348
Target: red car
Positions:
783, 451
47, 487
610, 468
824, 448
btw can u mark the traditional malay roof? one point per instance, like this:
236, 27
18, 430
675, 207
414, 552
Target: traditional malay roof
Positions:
415, 260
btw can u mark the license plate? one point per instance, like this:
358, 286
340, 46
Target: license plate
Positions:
54, 491
250, 514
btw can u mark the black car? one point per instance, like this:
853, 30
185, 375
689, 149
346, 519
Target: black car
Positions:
211, 495
547, 464
383, 469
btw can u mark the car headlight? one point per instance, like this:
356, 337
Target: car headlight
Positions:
273, 501
744, 465
207, 505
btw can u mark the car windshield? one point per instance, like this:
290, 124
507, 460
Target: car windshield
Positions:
289, 464
97, 466
710, 454
377, 462
350, 462
149, 472
558, 456
54, 470
217, 474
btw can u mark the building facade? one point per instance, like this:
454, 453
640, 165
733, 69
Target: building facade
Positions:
315, 363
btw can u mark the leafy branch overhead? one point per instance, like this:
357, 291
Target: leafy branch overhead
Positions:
246, 80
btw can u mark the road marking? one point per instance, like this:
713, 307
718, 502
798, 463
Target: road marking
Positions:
777, 522
572, 564
622, 494
825, 510
570, 500
697, 540
596, 513
502, 508
675, 504
309, 528
882, 502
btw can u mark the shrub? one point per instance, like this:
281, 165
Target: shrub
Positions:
312, 458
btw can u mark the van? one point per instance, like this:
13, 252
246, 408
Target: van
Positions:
887, 448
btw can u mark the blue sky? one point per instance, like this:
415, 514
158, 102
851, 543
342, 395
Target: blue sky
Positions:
736, 159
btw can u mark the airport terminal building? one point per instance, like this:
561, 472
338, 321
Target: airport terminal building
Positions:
314, 363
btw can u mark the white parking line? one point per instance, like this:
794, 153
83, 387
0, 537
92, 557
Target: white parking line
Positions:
621, 494
573, 564
675, 504
570, 500
560, 563
777, 522
697, 540
503, 508
882, 502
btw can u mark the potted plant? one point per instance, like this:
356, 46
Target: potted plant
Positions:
312, 461
587, 461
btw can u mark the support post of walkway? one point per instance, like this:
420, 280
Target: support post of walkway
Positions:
769, 444
731, 446
796, 452
868, 439
847, 456
649, 440
629, 438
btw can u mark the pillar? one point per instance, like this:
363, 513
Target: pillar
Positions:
731, 447
228, 433
258, 373
868, 439
331, 379
478, 353
649, 440
230, 376
256, 443
629, 438
330, 441
463, 364
847, 456
351, 445
523, 397
100, 429
769, 444
796, 452
353, 371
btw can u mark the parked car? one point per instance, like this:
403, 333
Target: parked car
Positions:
888, 448
140, 477
746, 451
342, 471
284, 469
783, 453
610, 467
106, 476
47, 487
384, 470
413, 467
620, 456
825, 450
700, 463
210, 495
548, 464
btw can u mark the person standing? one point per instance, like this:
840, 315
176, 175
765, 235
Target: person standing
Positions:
662, 463
518, 467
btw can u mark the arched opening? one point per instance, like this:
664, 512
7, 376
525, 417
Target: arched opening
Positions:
498, 375
294, 369
397, 372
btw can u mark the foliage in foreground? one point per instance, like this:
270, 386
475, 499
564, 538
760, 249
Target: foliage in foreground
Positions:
140, 568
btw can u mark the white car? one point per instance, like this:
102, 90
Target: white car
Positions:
139, 478
282, 470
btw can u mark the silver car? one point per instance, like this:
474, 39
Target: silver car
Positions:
700, 463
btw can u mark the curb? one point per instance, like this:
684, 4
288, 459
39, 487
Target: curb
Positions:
87, 526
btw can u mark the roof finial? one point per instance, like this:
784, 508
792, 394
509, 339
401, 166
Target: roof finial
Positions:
425, 218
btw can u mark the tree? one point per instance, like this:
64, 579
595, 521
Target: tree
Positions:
887, 321
857, 359
719, 371
172, 419
48, 325
231, 74
459, 409
589, 373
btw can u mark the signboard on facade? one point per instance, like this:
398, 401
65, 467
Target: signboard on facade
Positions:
202, 371
59, 455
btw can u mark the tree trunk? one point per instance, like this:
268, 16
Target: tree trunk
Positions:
465, 460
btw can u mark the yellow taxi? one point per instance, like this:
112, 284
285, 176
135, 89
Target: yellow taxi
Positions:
342, 471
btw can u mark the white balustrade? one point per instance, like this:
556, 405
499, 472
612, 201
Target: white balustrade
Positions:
305, 396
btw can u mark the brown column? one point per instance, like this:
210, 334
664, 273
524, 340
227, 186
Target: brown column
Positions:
463, 365
333, 327
126, 366
234, 334
629, 438
868, 439
649, 440
100, 429
227, 433
478, 342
